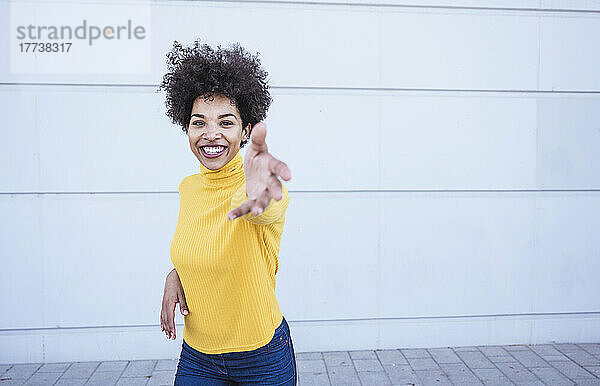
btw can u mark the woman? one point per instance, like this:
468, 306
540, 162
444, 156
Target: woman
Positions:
230, 223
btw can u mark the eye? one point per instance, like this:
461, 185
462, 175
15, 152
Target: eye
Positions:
197, 123
227, 123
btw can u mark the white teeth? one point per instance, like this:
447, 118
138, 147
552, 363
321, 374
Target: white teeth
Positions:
213, 149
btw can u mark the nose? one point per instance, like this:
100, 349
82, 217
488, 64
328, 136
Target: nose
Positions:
212, 132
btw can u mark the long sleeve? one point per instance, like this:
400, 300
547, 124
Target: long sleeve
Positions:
274, 211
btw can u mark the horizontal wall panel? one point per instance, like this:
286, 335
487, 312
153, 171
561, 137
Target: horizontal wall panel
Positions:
459, 50
315, 46
328, 258
19, 147
567, 253
85, 260
568, 143
329, 140
458, 142
569, 55
22, 273
457, 254
487, 253
399, 47
73, 140
404, 140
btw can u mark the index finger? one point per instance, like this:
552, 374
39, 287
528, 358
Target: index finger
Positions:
171, 319
280, 168
240, 210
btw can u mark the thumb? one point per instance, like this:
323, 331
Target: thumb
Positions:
183, 305
259, 133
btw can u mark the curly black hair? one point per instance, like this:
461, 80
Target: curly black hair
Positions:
201, 70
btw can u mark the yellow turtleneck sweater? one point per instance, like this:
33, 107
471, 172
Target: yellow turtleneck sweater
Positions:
227, 268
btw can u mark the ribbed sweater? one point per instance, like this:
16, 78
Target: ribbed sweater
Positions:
227, 268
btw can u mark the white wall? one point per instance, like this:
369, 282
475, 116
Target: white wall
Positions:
445, 179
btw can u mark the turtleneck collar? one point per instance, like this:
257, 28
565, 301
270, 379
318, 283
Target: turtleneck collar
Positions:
232, 171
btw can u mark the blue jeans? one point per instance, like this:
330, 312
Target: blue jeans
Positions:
271, 364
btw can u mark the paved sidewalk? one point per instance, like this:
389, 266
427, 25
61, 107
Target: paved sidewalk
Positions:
549, 364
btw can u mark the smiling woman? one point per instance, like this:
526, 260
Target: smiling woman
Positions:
224, 276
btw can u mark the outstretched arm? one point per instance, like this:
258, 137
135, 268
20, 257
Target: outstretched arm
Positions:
262, 192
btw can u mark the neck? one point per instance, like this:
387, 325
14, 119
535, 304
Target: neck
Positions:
231, 172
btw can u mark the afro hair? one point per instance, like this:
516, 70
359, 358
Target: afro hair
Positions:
201, 70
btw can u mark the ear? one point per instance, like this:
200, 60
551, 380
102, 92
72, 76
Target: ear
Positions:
246, 131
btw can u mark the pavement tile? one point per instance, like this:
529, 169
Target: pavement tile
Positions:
337, 358
367, 365
162, 378
551, 376
132, 381
4, 367
502, 359
71, 382
410, 353
492, 351
313, 379
308, 355
21, 371
572, 370
43, 379
311, 365
554, 358
112, 366
54, 367
12, 382
139, 369
593, 369
444, 355
465, 348
517, 373
475, 359
592, 348
544, 349
343, 375
433, 377
80, 370
374, 378
515, 347
459, 374
391, 357
401, 374
587, 382
104, 378
583, 358
566, 347
166, 364
423, 364
362, 354
529, 359
492, 377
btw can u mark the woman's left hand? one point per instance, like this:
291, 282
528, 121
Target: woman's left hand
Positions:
261, 171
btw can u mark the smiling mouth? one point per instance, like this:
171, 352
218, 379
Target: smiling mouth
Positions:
210, 151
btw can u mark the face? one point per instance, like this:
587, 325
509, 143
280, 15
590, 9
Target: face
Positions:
215, 131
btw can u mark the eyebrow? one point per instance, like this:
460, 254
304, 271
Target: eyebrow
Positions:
220, 116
